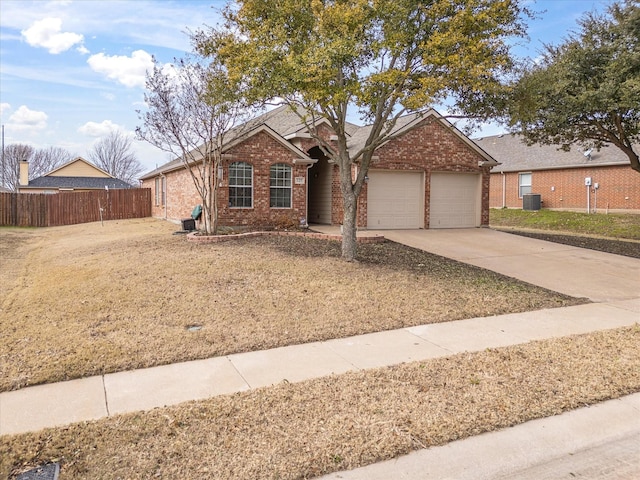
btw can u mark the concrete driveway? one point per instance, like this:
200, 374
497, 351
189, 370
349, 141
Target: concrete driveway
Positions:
601, 277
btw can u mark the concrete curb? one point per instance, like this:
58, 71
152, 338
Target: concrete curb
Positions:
564, 446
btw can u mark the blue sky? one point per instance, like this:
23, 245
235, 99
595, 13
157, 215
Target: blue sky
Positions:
72, 71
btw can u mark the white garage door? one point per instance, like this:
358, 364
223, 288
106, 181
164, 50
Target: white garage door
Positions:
454, 200
395, 200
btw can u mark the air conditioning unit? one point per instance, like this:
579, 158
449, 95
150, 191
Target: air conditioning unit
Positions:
188, 224
531, 201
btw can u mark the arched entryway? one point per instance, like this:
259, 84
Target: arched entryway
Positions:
319, 192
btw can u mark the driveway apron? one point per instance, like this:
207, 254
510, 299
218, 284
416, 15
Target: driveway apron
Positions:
601, 277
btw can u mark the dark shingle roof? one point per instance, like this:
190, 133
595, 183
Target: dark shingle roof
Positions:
286, 123
281, 120
515, 155
78, 183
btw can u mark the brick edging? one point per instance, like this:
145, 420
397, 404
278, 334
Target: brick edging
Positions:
194, 237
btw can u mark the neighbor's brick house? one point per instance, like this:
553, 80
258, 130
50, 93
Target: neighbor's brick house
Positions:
273, 173
559, 177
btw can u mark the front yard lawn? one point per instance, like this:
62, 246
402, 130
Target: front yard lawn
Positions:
90, 299
615, 226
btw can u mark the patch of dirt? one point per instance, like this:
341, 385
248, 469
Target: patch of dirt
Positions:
89, 300
303, 430
608, 245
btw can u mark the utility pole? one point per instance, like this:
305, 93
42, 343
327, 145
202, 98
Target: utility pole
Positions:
3, 165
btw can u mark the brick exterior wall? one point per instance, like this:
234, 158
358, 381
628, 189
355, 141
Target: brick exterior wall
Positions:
261, 151
564, 189
429, 147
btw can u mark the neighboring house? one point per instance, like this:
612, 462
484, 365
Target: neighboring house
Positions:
76, 175
561, 178
273, 173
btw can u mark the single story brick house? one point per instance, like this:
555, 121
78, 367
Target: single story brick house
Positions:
575, 180
273, 173
78, 175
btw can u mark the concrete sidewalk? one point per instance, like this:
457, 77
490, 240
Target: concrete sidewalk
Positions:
57, 404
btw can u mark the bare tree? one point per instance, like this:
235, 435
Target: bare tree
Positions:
46, 159
41, 161
191, 108
113, 155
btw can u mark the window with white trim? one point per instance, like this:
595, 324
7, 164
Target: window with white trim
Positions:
524, 184
280, 186
240, 185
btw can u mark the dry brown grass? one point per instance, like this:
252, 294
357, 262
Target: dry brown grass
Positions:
91, 299
293, 431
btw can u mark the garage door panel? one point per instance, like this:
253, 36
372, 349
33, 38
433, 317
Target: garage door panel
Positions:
395, 200
454, 200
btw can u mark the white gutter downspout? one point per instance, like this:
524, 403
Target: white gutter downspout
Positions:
163, 193
504, 190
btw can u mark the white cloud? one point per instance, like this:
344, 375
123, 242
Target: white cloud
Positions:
4, 107
47, 33
129, 71
93, 129
26, 119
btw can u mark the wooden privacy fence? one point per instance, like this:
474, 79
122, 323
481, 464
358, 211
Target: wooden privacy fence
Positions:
68, 208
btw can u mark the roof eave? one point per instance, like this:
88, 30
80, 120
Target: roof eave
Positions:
524, 168
263, 127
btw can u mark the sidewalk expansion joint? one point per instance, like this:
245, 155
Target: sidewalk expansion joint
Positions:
341, 357
106, 399
239, 373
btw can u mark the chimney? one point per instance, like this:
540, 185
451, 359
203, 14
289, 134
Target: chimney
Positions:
24, 174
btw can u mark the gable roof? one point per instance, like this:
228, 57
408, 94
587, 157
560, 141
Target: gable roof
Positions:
270, 131
515, 156
277, 123
78, 160
284, 124
52, 179
408, 122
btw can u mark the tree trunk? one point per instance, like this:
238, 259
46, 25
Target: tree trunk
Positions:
633, 158
214, 196
207, 182
349, 243
350, 207
214, 206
